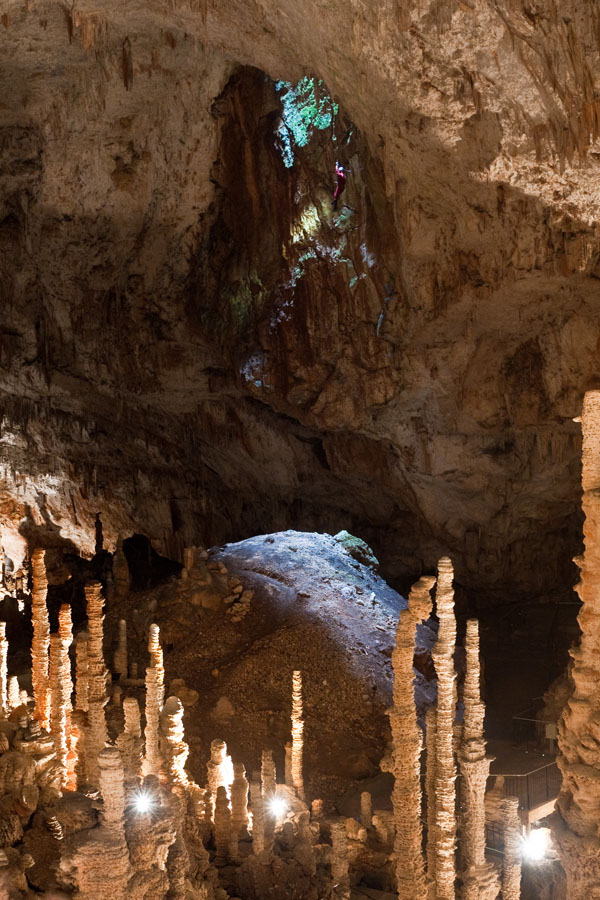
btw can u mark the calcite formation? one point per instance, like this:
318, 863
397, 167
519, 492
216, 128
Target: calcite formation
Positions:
96, 734
81, 671
4, 702
239, 806
120, 657
407, 740
511, 864
576, 825
41, 639
155, 692
444, 830
297, 734
480, 880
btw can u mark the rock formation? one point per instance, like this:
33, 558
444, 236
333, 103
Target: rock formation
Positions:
120, 656
480, 880
174, 749
444, 831
41, 639
155, 692
511, 865
340, 877
576, 824
222, 824
407, 741
297, 735
129, 741
81, 671
96, 735
239, 806
4, 702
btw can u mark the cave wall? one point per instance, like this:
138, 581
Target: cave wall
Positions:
171, 355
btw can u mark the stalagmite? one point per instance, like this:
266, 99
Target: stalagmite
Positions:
430, 742
239, 806
120, 656
366, 810
120, 571
81, 671
444, 832
96, 734
130, 741
258, 814
155, 693
511, 868
575, 825
175, 750
3, 670
222, 824
480, 881
269, 788
41, 640
287, 770
297, 734
14, 692
340, 876
219, 768
62, 688
407, 740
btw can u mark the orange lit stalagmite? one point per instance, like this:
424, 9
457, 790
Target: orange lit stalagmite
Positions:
41, 639
155, 693
575, 825
96, 735
297, 735
511, 861
175, 751
444, 831
480, 881
407, 741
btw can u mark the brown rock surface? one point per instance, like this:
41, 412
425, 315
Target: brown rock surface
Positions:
161, 330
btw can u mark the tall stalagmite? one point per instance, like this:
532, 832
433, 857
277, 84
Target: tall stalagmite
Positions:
575, 824
430, 717
511, 862
407, 741
81, 671
41, 639
222, 824
62, 691
130, 741
239, 806
444, 832
297, 734
155, 694
3, 670
480, 881
96, 734
340, 874
174, 749
120, 655
258, 814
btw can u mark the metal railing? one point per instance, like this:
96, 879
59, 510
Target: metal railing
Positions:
534, 788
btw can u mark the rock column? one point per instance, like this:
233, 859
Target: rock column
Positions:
480, 881
81, 671
575, 825
3, 670
297, 735
175, 750
239, 806
96, 734
407, 741
155, 694
511, 868
444, 832
41, 640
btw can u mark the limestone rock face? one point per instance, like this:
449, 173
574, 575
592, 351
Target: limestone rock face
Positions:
182, 308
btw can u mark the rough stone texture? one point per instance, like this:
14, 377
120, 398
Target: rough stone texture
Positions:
155, 336
155, 694
297, 734
579, 732
96, 735
444, 832
511, 863
41, 640
407, 739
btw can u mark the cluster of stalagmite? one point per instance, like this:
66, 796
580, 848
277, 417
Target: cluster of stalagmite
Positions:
41, 639
407, 746
480, 880
444, 826
575, 825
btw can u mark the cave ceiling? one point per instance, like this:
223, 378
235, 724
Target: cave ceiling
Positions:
195, 344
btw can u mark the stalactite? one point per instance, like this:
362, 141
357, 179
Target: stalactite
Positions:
366, 810
511, 869
96, 734
340, 873
480, 881
175, 750
444, 833
120, 656
4, 705
575, 826
407, 740
155, 693
297, 734
239, 806
222, 824
258, 814
81, 671
41, 639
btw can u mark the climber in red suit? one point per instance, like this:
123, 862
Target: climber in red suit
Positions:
341, 184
